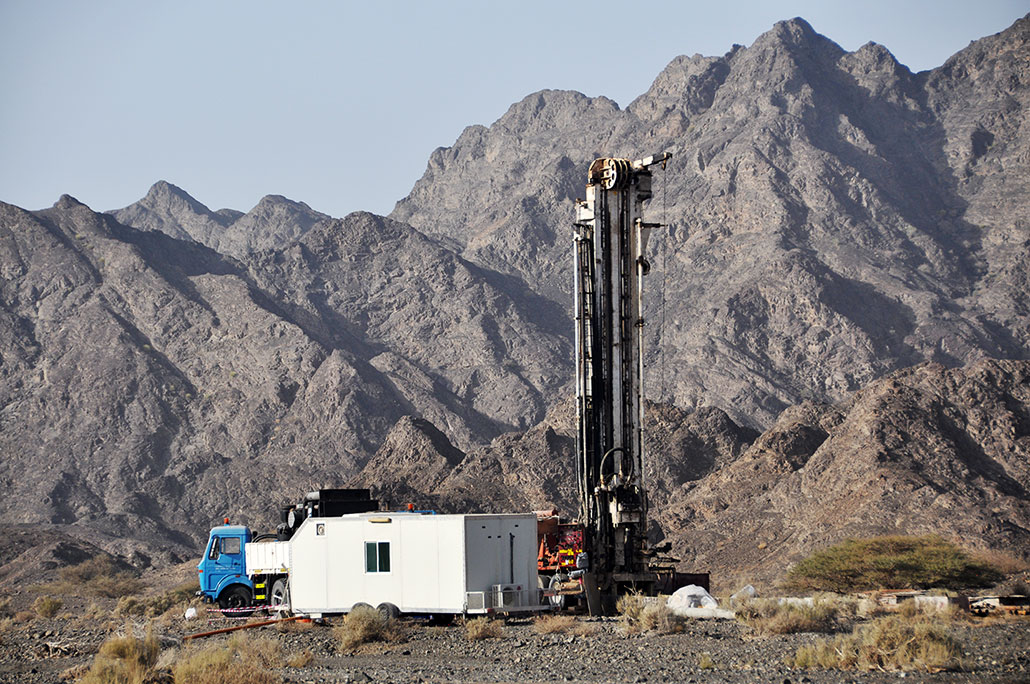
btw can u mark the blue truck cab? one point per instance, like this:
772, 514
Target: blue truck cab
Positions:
222, 569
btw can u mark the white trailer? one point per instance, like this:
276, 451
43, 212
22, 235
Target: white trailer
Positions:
412, 563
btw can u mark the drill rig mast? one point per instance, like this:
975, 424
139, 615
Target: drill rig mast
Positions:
610, 239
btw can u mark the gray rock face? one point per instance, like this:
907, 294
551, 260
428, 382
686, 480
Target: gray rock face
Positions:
150, 386
833, 217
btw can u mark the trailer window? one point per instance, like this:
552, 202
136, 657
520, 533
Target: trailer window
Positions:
230, 545
377, 556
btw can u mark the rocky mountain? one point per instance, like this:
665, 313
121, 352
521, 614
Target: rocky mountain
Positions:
832, 216
274, 222
833, 219
151, 385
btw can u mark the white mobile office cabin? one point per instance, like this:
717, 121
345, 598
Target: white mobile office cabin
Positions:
410, 562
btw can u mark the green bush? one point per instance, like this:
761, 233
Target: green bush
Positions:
894, 562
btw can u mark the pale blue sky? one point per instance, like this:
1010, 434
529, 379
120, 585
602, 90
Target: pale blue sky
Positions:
339, 104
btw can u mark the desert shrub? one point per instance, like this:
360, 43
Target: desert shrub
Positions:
98, 576
241, 660
129, 606
637, 613
483, 628
630, 606
585, 629
124, 660
154, 606
47, 606
5, 607
23, 616
553, 624
176, 597
365, 624
657, 617
1004, 562
895, 642
768, 616
705, 662
302, 659
894, 562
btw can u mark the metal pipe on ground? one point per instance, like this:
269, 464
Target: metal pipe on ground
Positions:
200, 635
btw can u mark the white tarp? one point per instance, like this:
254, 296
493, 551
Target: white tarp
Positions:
691, 596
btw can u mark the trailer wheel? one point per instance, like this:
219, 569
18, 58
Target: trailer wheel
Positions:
360, 604
235, 597
280, 595
388, 610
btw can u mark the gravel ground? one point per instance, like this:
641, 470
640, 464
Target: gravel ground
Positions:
38, 651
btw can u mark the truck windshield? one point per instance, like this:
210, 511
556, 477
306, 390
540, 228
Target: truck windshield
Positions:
212, 554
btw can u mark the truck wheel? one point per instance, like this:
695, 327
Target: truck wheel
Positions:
236, 597
388, 610
280, 594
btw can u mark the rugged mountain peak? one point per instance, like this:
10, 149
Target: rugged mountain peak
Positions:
281, 203
273, 222
546, 109
171, 200
169, 209
794, 31
66, 201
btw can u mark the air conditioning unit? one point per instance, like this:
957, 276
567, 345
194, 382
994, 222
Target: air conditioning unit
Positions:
506, 595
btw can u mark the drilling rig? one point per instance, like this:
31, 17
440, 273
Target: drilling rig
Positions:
610, 239
605, 552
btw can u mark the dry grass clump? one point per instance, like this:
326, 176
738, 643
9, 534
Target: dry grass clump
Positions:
951, 613
896, 642
483, 628
97, 576
365, 624
554, 624
47, 606
769, 616
638, 614
241, 660
630, 606
585, 629
124, 660
302, 659
174, 600
892, 562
